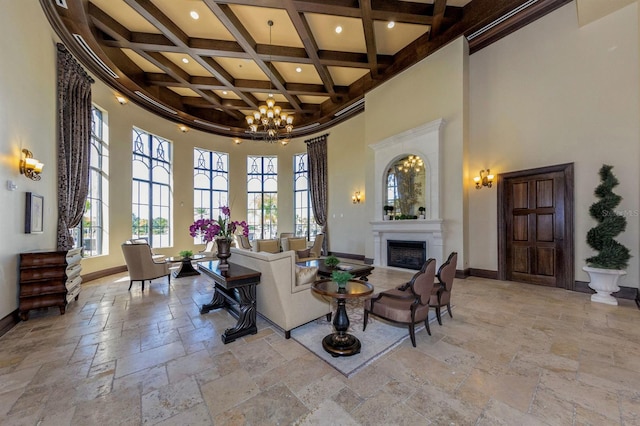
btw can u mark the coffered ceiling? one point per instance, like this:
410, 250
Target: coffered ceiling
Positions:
211, 71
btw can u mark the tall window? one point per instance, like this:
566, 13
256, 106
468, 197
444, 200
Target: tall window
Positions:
262, 197
305, 224
152, 203
91, 233
210, 184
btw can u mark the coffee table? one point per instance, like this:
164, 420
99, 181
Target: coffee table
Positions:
358, 271
186, 269
342, 343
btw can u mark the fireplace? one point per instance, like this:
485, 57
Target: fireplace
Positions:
406, 254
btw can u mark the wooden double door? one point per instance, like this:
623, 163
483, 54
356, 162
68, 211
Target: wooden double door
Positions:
535, 226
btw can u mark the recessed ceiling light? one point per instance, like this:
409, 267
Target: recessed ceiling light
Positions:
298, 69
391, 24
194, 14
224, 92
338, 29
185, 60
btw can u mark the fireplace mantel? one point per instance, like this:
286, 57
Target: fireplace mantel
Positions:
425, 142
429, 230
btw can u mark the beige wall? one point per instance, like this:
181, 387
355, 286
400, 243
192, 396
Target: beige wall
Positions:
27, 120
432, 89
554, 93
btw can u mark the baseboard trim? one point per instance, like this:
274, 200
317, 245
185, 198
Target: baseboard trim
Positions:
8, 322
483, 273
630, 293
103, 273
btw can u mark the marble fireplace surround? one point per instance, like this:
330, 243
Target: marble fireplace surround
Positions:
425, 141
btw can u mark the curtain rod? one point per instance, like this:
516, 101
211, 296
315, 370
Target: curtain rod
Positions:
317, 139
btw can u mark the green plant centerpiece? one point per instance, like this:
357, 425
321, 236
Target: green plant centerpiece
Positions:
341, 278
612, 258
186, 253
331, 261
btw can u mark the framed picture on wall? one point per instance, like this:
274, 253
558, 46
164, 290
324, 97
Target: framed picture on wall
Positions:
34, 214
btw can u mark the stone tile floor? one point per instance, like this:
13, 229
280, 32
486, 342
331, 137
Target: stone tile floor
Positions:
513, 354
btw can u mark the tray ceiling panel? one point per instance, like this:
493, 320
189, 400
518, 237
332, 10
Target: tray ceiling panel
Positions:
211, 62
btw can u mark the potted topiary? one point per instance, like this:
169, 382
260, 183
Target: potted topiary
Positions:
421, 210
387, 212
331, 261
612, 259
341, 278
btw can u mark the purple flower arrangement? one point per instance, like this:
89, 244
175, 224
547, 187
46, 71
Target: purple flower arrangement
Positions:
223, 228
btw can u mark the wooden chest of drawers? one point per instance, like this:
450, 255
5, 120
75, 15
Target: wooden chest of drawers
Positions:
49, 278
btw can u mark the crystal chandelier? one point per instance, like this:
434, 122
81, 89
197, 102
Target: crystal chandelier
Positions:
411, 163
270, 123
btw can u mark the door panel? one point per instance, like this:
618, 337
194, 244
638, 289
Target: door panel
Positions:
536, 243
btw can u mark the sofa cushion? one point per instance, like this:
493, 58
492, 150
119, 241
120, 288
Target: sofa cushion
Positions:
305, 276
270, 246
297, 243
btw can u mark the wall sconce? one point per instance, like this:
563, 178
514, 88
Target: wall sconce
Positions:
29, 166
485, 179
183, 128
356, 197
237, 141
121, 99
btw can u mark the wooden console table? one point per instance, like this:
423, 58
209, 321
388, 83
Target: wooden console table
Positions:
235, 290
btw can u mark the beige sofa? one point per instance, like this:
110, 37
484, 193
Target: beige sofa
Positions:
281, 298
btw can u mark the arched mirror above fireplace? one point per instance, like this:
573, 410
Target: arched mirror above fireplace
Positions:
405, 185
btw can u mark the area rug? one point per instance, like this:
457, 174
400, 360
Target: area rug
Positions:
379, 338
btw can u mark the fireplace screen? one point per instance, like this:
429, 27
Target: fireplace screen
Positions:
406, 254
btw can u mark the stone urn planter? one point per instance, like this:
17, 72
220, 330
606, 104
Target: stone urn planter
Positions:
604, 282
612, 258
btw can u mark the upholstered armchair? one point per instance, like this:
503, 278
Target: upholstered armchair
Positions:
141, 265
243, 242
209, 251
156, 257
408, 306
284, 236
441, 293
315, 251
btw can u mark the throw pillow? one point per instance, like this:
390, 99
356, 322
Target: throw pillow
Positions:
305, 275
303, 253
297, 244
270, 246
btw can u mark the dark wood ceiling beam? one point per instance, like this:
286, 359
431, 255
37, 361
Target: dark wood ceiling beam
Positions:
352, 11
439, 7
208, 47
526, 16
369, 36
304, 32
282, 53
231, 22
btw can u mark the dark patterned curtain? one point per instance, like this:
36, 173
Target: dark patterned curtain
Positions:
319, 183
74, 139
